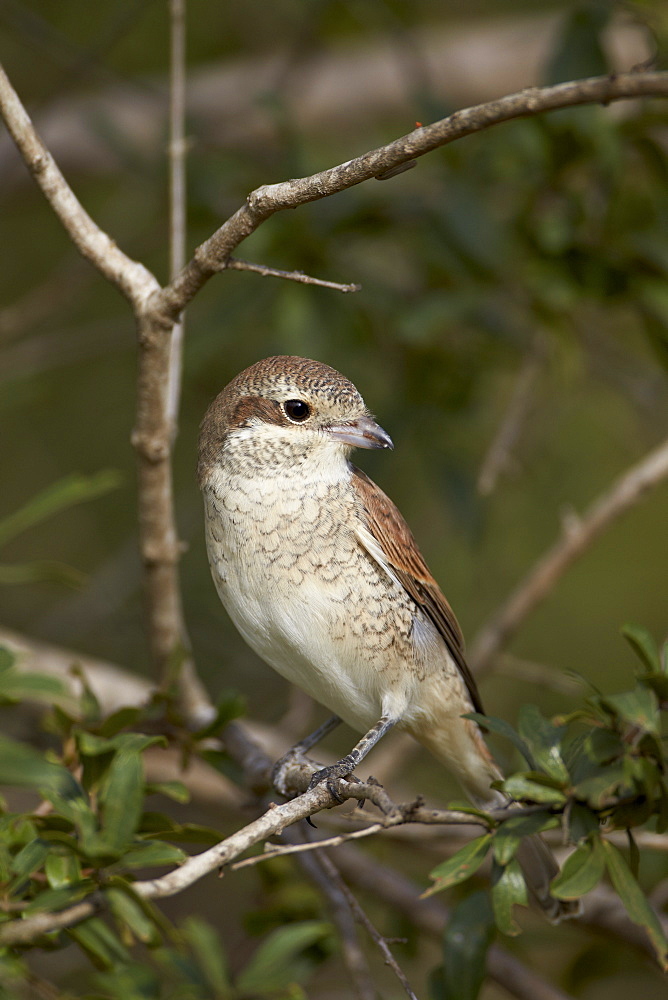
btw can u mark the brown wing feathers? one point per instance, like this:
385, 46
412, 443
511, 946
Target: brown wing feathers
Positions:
400, 549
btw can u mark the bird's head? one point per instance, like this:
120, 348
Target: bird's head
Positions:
284, 409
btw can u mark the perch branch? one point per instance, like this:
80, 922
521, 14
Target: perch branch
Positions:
577, 535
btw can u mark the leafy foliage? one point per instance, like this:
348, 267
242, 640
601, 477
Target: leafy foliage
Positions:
601, 768
91, 831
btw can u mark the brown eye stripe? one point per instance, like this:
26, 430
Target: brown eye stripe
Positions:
248, 407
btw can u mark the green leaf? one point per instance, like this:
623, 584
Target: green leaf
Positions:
62, 870
158, 825
503, 728
73, 489
23, 766
119, 720
275, 964
122, 799
638, 707
207, 946
58, 899
461, 865
633, 898
582, 822
524, 788
29, 859
582, 870
174, 790
129, 913
155, 853
508, 889
100, 943
643, 645
544, 739
468, 935
91, 745
16, 685
508, 836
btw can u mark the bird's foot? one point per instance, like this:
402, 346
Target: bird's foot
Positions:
342, 769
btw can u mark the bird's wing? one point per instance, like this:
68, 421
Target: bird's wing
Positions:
389, 541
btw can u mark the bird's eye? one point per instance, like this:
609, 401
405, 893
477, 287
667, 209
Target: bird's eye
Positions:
297, 410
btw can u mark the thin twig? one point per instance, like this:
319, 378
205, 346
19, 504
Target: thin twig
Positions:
540, 674
328, 881
430, 916
374, 934
177, 190
235, 264
311, 845
575, 538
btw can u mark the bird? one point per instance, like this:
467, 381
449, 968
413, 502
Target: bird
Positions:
321, 575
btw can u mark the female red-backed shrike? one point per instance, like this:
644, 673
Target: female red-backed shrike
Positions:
321, 575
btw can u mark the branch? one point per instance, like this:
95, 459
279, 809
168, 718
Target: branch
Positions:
212, 255
152, 436
129, 276
430, 916
499, 454
178, 149
328, 881
234, 264
362, 918
577, 535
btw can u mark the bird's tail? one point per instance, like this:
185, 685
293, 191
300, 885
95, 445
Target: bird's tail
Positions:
539, 867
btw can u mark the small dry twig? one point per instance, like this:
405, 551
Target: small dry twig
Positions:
330, 884
234, 264
359, 914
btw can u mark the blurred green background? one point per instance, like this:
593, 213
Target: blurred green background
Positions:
539, 243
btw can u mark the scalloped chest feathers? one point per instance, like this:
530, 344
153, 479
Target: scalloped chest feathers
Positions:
295, 581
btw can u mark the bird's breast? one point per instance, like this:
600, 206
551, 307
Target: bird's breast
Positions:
306, 597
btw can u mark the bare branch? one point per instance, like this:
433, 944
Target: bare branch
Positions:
129, 276
178, 149
537, 673
430, 916
375, 935
499, 453
212, 255
160, 547
328, 881
575, 538
234, 264
311, 845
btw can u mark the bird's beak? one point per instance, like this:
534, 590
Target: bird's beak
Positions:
363, 432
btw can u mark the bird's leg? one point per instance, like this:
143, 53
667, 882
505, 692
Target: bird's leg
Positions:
318, 734
297, 754
347, 764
